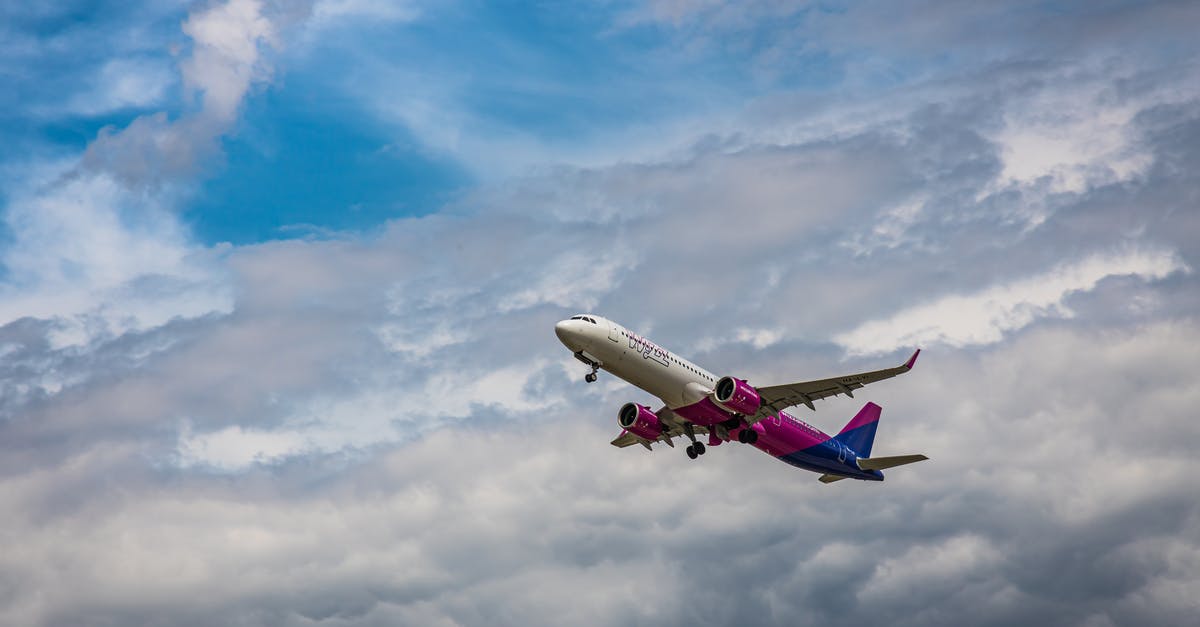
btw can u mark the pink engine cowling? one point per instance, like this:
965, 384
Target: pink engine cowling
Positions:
737, 396
640, 421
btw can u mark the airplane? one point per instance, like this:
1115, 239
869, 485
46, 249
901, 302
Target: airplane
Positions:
726, 408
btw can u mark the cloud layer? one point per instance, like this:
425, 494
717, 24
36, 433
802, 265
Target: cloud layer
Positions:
984, 317
378, 427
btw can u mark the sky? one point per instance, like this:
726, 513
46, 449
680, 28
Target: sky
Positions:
278, 283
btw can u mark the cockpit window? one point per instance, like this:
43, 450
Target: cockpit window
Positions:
577, 317
590, 320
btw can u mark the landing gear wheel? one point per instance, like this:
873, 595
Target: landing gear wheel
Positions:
691, 452
590, 377
747, 436
699, 446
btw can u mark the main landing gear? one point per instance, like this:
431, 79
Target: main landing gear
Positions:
747, 436
746, 433
695, 449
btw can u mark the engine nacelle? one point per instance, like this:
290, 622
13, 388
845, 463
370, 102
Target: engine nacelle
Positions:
736, 396
640, 421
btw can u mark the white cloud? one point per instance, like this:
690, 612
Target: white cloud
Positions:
984, 317
86, 255
452, 526
96, 243
891, 227
125, 83
237, 447
380, 412
226, 54
575, 280
511, 486
1080, 131
923, 566
329, 11
1077, 144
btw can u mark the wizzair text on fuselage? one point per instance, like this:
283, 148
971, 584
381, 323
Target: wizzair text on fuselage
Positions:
726, 408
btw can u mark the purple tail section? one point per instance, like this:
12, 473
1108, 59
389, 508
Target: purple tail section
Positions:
859, 433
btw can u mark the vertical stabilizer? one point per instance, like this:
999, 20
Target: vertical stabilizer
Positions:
859, 433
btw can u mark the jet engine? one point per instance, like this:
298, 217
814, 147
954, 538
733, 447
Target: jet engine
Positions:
640, 421
736, 396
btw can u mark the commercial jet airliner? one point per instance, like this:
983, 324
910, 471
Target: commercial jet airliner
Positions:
727, 408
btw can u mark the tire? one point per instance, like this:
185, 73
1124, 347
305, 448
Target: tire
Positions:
691, 453
699, 448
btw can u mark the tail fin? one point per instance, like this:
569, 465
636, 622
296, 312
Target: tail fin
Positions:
859, 433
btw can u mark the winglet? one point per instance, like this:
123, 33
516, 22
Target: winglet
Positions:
911, 360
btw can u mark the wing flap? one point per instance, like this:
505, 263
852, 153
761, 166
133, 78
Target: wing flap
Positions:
625, 439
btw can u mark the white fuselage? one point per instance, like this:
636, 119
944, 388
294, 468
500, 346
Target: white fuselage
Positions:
641, 362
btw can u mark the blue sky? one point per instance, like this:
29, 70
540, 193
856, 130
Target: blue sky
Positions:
319, 144
316, 146
278, 283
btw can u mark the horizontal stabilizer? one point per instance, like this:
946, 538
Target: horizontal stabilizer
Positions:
830, 478
879, 463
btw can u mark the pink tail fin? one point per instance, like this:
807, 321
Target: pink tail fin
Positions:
859, 433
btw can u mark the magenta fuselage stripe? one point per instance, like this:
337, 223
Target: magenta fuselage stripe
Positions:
780, 434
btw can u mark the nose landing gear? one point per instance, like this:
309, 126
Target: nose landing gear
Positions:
591, 361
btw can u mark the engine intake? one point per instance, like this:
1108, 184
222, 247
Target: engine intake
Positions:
640, 421
737, 396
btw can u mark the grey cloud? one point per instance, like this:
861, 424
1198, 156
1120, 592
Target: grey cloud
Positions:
535, 527
1059, 489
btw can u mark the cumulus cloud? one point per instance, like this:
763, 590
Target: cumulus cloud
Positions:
382, 428
227, 40
97, 244
984, 317
513, 521
102, 262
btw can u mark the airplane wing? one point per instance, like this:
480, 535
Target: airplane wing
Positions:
672, 428
776, 398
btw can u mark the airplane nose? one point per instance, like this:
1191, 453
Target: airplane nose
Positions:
566, 334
